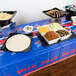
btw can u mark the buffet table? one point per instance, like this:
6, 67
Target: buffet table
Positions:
21, 64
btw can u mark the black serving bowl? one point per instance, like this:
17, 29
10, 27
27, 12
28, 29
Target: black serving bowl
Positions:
54, 19
51, 15
6, 22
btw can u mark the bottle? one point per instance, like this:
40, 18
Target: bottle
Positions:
13, 27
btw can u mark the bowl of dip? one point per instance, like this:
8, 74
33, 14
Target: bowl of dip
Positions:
28, 29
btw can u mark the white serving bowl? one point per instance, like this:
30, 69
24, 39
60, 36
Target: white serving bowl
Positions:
66, 36
42, 34
27, 30
52, 41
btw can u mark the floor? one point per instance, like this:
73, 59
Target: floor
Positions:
63, 68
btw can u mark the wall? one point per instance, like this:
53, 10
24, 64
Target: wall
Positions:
31, 10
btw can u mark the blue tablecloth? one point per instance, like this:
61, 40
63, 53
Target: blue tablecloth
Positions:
19, 64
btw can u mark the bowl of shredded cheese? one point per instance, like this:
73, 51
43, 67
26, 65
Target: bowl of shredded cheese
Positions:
43, 29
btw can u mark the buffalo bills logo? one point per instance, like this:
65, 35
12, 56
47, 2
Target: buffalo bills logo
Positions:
1, 52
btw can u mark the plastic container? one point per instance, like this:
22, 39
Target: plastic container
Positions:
42, 34
64, 37
52, 41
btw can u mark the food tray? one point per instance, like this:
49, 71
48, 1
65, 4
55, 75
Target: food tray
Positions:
53, 9
42, 34
4, 46
52, 41
64, 37
6, 22
45, 44
55, 29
